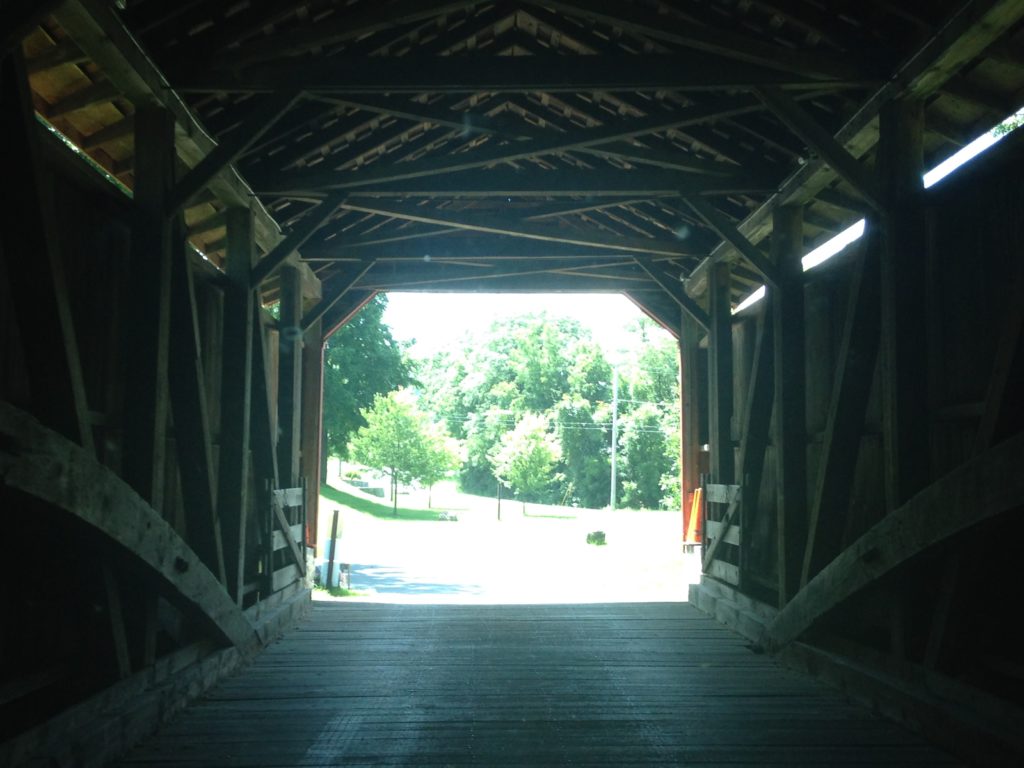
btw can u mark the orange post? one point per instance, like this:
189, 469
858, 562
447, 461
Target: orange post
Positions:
692, 523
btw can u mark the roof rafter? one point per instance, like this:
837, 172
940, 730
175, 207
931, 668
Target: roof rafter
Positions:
342, 28
706, 39
489, 155
960, 40
822, 142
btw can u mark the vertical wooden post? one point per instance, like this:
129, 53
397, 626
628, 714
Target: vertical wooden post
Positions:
289, 392
312, 424
148, 316
904, 355
844, 426
330, 549
236, 394
755, 432
720, 383
264, 441
790, 406
187, 383
28, 246
689, 369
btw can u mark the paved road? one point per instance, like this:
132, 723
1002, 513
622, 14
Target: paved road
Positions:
520, 559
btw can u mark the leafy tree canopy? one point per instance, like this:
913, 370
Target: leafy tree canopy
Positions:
525, 458
554, 370
401, 440
361, 360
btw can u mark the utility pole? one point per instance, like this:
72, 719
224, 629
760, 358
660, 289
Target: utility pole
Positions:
615, 429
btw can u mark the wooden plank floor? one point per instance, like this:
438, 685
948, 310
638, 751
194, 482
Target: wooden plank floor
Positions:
452, 685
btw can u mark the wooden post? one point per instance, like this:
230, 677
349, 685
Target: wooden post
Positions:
844, 426
755, 431
187, 382
790, 406
689, 378
289, 392
236, 395
264, 442
34, 269
312, 423
720, 384
148, 315
330, 548
904, 354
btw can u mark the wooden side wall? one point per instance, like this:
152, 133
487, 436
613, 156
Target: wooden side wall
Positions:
918, 593
86, 614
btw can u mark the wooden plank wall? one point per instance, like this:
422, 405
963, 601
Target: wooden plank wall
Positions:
938, 612
91, 614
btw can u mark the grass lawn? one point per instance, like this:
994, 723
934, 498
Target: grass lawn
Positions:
380, 510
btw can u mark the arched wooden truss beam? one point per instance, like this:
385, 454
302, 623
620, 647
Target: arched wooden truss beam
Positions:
986, 486
40, 463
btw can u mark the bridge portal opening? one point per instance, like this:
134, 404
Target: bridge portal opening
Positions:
502, 447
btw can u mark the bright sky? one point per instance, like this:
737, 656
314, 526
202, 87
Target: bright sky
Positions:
438, 321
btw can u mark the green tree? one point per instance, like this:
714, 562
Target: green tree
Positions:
522, 365
649, 411
361, 361
399, 439
645, 457
525, 458
440, 457
585, 432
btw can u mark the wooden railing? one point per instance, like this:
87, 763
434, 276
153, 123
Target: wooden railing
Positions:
721, 531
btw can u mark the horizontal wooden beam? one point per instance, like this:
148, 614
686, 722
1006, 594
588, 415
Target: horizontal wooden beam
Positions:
545, 282
980, 489
467, 246
499, 226
31, 456
443, 276
501, 74
503, 181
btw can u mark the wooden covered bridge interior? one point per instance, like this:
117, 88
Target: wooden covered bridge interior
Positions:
197, 194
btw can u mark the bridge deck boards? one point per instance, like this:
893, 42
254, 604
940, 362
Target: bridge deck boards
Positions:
447, 685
